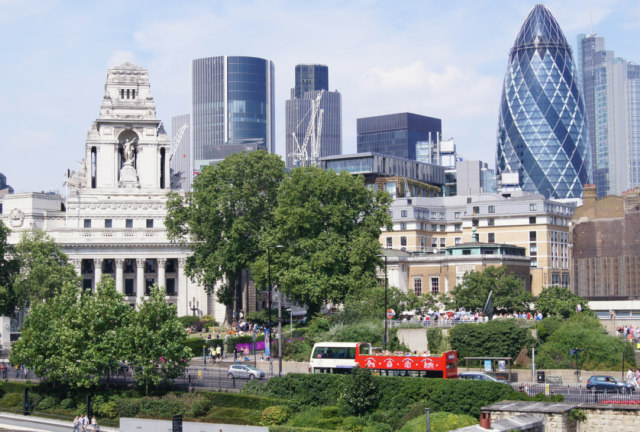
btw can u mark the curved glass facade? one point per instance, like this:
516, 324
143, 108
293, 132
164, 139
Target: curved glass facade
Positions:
542, 131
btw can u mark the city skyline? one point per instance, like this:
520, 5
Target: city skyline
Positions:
422, 57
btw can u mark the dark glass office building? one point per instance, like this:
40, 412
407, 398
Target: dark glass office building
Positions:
542, 131
232, 107
397, 134
311, 77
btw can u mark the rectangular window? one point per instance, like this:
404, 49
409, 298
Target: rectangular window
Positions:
458, 227
148, 283
443, 242
403, 226
423, 243
458, 240
403, 213
434, 242
417, 285
389, 242
403, 241
555, 279
149, 223
128, 287
456, 215
442, 228
533, 250
87, 223
441, 215
565, 280
533, 207
491, 221
532, 236
532, 220
434, 227
435, 285
108, 223
171, 287
476, 209
491, 237
492, 209
128, 223
534, 263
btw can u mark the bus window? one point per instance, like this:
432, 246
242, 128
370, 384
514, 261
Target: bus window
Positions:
365, 349
320, 352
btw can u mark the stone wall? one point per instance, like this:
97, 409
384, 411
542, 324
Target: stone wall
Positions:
619, 418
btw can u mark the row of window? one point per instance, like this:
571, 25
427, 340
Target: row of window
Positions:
108, 223
434, 286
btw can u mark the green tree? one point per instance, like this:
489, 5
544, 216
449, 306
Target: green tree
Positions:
508, 291
359, 393
8, 269
222, 218
496, 338
560, 301
44, 268
86, 329
154, 342
329, 225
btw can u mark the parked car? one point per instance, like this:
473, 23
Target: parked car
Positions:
481, 376
609, 384
244, 371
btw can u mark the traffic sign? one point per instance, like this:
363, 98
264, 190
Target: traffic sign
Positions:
390, 313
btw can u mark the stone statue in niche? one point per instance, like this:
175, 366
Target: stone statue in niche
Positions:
129, 151
128, 173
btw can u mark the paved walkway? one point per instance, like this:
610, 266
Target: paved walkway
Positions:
17, 422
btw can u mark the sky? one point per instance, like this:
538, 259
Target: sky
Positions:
434, 58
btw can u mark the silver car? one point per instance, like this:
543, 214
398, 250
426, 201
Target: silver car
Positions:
481, 376
244, 371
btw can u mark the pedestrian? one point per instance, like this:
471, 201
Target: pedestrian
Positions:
94, 424
219, 353
630, 377
83, 423
76, 424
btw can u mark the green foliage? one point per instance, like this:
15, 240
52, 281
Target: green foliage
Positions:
538, 397
241, 400
359, 393
435, 339
274, 415
107, 409
601, 351
8, 269
439, 422
577, 415
232, 415
496, 338
195, 344
330, 226
154, 342
44, 268
47, 403
261, 316
200, 407
222, 217
303, 390
367, 331
188, 320
547, 326
11, 400
508, 291
369, 304
559, 301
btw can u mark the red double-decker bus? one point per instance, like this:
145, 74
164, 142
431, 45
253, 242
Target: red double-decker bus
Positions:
340, 357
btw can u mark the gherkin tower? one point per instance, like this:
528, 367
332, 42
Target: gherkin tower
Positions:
542, 132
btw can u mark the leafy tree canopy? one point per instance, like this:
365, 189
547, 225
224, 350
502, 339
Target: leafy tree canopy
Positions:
329, 225
508, 291
8, 269
560, 301
496, 338
44, 268
231, 203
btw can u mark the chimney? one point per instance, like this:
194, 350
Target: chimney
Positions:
589, 194
485, 420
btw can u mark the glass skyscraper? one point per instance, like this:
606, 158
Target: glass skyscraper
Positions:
232, 107
542, 132
611, 88
403, 135
315, 112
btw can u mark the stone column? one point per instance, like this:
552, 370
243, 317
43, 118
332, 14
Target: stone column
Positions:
140, 262
162, 279
97, 271
181, 289
119, 275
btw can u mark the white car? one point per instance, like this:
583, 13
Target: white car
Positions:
480, 376
244, 371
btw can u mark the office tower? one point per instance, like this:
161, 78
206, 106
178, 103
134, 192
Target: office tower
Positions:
180, 154
311, 77
611, 88
398, 135
313, 118
232, 107
542, 132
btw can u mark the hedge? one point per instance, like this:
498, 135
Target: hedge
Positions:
300, 389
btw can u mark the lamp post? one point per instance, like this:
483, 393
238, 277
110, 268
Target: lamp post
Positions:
386, 321
193, 305
270, 288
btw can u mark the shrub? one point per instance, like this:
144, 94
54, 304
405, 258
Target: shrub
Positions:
274, 415
128, 407
188, 320
547, 326
435, 339
231, 415
47, 403
11, 400
195, 343
67, 403
200, 407
359, 393
108, 409
246, 401
302, 390
439, 421
496, 338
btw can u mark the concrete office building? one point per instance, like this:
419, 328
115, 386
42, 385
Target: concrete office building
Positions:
542, 132
400, 135
232, 108
310, 77
611, 89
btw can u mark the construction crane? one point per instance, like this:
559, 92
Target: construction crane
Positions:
176, 141
308, 153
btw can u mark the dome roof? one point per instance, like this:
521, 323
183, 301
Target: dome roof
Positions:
540, 29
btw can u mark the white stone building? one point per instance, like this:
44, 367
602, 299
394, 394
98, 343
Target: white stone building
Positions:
112, 220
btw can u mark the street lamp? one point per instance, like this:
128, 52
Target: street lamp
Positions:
193, 305
386, 284
269, 282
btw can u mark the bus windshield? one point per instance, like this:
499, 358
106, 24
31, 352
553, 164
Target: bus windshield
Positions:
334, 352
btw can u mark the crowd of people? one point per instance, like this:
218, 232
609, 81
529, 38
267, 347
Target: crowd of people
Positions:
84, 424
462, 316
633, 378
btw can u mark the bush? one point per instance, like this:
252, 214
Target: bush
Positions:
128, 407
47, 403
435, 339
188, 320
231, 415
274, 415
195, 343
11, 400
439, 421
359, 393
547, 326
67, 403
242, 400
302, 390
107, 409
200, 407
496, 338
